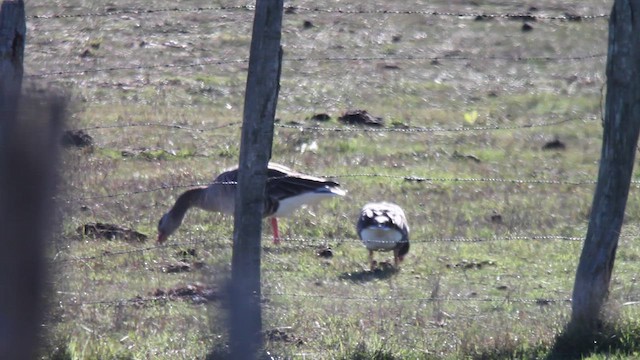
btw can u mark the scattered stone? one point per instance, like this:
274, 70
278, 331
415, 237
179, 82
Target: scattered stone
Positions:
184, 254
197, 293
457, 155
307, 24
326, 253
320, 117
390, 66
282, 335
465, 264
176, 268
554, 145
361, 117
110, 232
496, 218
86, 54
526, 27
76, 138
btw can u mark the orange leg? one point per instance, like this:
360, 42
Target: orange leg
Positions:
276, 233
372, 263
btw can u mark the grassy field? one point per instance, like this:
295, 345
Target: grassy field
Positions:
494, 244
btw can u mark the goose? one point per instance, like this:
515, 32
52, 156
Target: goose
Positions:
382, 226
286, 190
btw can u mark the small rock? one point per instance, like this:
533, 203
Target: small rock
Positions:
76, 138
110, 232
86, 53
320, 117
326, 253
361, 117
526, 27
554, 145
177, 268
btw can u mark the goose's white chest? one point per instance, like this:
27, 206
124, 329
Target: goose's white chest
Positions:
380, 238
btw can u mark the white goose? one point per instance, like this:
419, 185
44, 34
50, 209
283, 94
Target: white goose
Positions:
382, 226
286, 190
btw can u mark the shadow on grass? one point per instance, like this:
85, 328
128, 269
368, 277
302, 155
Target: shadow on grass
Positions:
620, 338
380, 273
617, 338
364, 352
221, 352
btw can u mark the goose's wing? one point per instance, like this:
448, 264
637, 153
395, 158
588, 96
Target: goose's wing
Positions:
283, 183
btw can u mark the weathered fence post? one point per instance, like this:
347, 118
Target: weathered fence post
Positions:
255, 152
619, 146
12, 39
28, 168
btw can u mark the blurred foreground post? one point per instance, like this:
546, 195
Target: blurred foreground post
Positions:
619, 146
12, 37
28, 168
261, 95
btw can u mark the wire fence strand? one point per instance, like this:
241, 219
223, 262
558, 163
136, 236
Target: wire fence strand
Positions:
287, 242
432, 58
162, 299
407, 178
292, 10
350, 129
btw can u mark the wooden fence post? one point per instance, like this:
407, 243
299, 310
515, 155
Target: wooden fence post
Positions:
12, 38
255, 152
28, 168
619, 146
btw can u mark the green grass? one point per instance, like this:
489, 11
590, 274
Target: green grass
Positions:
472, 287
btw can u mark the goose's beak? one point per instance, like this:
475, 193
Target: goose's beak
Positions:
162, 238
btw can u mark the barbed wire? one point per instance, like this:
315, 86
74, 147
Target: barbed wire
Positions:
58, 259
161, 299
348, 129
207, 62
157, 124
368, 299
201, 62
420, 179
292, 10
408, 178
401, 129
471, 15
117, 12
307, 243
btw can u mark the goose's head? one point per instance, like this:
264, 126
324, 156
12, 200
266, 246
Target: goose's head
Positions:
167, 226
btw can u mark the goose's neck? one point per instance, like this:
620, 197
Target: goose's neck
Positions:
187, 200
